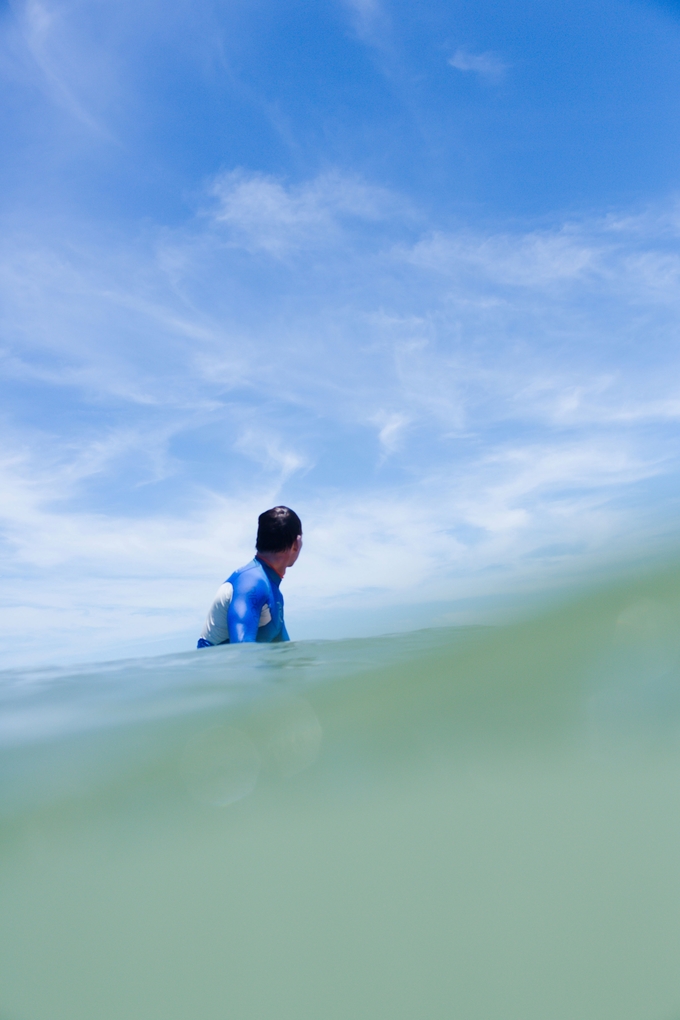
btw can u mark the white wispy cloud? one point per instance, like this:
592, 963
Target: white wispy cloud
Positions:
76, 77
488, 64
266, 448
390, 429
370, 20
90, 63
264, 213
531, 260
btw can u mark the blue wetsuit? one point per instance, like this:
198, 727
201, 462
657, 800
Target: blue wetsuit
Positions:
247, 607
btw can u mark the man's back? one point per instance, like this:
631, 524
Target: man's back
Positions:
247, 607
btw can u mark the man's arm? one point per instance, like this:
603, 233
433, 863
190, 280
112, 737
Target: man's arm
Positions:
243, 618
215, 631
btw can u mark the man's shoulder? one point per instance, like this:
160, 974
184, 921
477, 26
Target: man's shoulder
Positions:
248, 576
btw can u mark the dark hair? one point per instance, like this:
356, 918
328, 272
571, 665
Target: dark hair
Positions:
277, 529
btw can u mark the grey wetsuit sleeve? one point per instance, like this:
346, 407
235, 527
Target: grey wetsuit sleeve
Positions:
216, 630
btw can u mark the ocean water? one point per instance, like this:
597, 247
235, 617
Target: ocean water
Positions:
477, 823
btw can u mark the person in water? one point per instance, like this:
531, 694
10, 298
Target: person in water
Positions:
249, 605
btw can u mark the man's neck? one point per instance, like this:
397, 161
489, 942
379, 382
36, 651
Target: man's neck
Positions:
277, 561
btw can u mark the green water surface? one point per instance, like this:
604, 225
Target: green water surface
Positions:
480, 824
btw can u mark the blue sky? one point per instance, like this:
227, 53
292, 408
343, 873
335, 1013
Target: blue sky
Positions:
410, 268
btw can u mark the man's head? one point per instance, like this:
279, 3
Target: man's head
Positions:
279, 531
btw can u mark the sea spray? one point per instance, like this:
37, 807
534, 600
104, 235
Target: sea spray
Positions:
479, 823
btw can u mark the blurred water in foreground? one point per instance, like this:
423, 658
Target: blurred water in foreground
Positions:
480, 824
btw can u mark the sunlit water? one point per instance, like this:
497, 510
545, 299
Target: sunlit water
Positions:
480, 824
